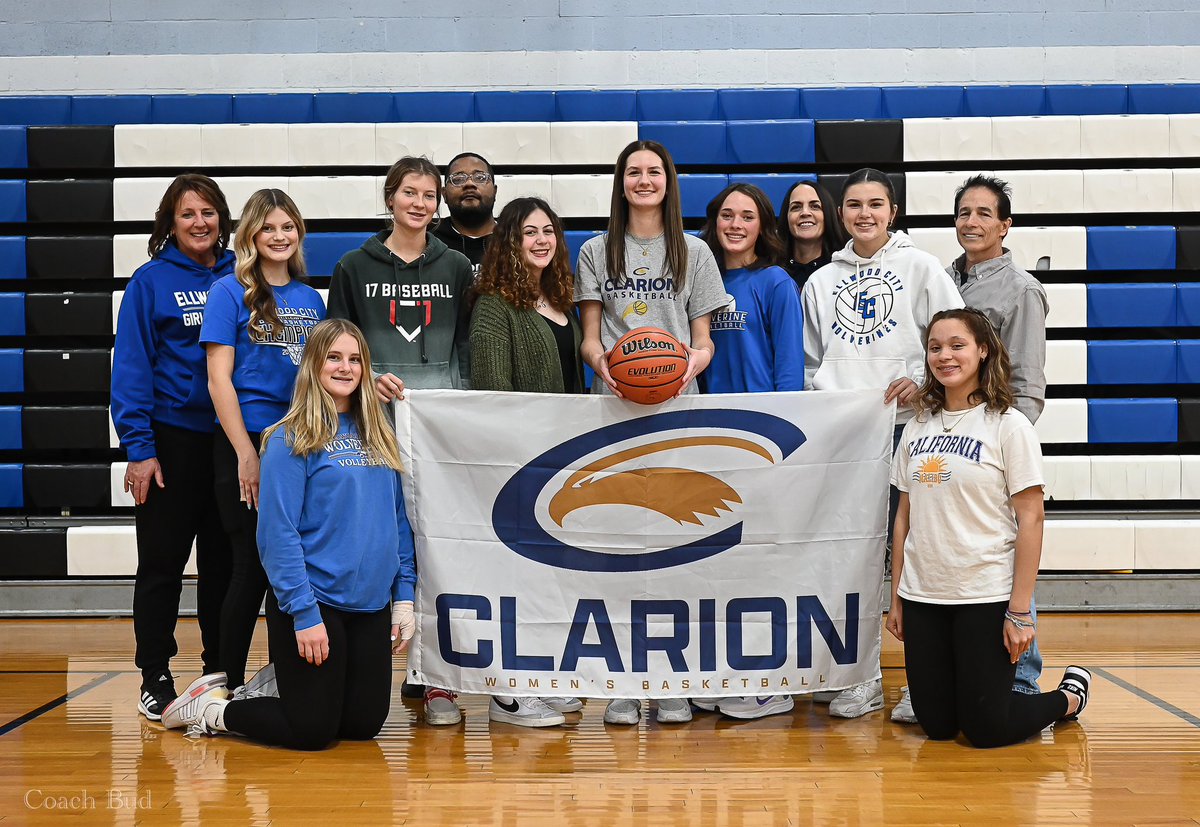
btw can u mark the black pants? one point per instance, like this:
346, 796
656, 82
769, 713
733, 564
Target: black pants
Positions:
346, 697
167, 523
961, 676
248, 581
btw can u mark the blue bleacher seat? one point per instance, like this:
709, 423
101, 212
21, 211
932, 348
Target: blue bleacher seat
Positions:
775, 185
575, 240
354, 107
12, 202
695, 191
35, 110
12, 489
192, 109
323, 250
1086, 99
1133, 420
1143, 362
109, 110
12, 370
678, 105
1164, 98
12, 314
1131, 248
842, 103
536, 107
12, 257
1131, 305
759, 104
689, 142
1188, 362
435, 107
923, 101
1188, 309
285, 107
10, 427
596, 105
771, 142
1003, 101
13, 148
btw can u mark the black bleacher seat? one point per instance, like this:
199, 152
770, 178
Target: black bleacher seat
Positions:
72, 200
1189, 420
80, 427
67, 371
861, 143
72, 257
1187, 248
67, 486
33, 554
70, 147
68, 314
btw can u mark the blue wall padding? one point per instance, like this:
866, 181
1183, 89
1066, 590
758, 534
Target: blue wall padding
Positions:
1189, 305
1133, 420
323, 250
14, 150
1188, 364
354, 107
435, 107
771, 142
759, 104
12, 314
12, 370
285, 107
1086, 99
678, 105
1131, 248
12, 491
695, 191
10, 428
12, 202
597, 105
689, 142
12, 257
110, 110
923, 101
1003, 101
514, 106
1143, 362
842, 103
1164, 98
1131, 305
192, 109
35, 110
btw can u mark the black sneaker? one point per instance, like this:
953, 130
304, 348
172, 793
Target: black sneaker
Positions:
412, 690
157, 692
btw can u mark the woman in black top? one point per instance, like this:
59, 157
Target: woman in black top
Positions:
809, 224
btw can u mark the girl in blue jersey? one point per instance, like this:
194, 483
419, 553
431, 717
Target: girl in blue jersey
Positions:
163, 415
255, 326
338, 550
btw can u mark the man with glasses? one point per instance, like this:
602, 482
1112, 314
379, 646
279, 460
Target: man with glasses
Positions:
470, 197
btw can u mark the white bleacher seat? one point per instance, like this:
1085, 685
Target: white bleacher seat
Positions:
336, 196
244, 144
1135, 477
238, 191
1124, 136
1068, 478
129, 253
581, 196
1050, 137
1186, 196
940, 242
590, 142
116, 307
932, 193
1063, 420
1127, 190
1185, 136
136, 199
113, 440
509, 143
116, 476
509, 187
323, 292
1189, 477
1039, 191
947, 139
1167, 544
107, 551
1068, 305
331, 144
157, 145
1088, 545
439, 142
1066, 363
1066, 247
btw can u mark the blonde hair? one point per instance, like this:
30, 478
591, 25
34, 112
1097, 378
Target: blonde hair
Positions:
259, 297
312, 420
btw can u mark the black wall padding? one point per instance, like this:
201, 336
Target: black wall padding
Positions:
860, 143
68, 314
70, 147
68, 371
63, 486
72, 200
31, 554
77, 428
1187, 248
74, 257
1189, 420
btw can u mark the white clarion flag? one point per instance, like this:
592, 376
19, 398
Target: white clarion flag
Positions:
585, 545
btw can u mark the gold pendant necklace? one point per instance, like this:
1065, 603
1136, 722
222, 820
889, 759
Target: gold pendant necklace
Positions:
942, 416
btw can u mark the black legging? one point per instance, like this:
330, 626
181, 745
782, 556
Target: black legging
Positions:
960, 676
248, 581
347, 696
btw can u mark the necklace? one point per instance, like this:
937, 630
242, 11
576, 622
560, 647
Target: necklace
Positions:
540, 304
638, 242
953, 425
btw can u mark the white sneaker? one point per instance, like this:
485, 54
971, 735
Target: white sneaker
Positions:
440, 708
674, 711
563, 704
858, 700
705, 704
752, 707
531, 712
825, 697
623, 711
261, 685
184, 710
902, 713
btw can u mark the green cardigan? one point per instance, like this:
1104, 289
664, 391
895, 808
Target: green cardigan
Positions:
514, 350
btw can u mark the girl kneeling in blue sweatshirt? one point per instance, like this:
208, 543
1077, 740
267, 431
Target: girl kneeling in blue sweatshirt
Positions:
340, 575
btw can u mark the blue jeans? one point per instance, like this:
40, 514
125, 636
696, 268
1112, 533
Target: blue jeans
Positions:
1029, 667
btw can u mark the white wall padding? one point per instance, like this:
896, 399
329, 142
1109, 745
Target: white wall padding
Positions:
116, 477
113, 440
116, 306
588, 142
1124, 136
932, 193
1066, 247
157, 145
1068, 305
581, 196
1088, 545
439, 142
1135, 478
1040, 136
1127, 190
244, 144
509, 143
947, 139
509, 187
1167, 544
129, 253
939, 242
107, 551
1186, 197
1044, 190
238, 191
336, 196
1063, 420
1189, 478
330, 144
1066, 363
1068, 478
136, 199
1185, 136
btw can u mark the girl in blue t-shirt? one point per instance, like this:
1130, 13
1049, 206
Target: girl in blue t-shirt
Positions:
255, 326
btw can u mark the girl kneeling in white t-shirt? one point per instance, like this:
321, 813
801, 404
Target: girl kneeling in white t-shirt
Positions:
968, 538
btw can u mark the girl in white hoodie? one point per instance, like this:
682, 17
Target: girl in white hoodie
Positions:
865, 317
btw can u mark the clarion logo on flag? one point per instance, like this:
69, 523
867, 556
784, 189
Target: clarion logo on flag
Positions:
678, 493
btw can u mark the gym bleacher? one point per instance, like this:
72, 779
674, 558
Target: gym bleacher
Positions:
1106, 182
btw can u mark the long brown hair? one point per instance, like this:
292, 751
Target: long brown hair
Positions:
259, 297
995, 367
312, 420
504, 271
768, 247
164, 216
672, 213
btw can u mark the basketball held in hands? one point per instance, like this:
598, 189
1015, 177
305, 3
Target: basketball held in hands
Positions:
647, 365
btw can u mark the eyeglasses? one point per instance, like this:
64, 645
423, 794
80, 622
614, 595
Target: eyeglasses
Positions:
460, 178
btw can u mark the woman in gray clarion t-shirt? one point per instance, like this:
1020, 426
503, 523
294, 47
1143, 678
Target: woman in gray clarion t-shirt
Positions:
646, 271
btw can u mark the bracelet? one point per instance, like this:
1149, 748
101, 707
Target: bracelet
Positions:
1018, 622
1021, 614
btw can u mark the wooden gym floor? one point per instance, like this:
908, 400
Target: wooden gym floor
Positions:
74, 750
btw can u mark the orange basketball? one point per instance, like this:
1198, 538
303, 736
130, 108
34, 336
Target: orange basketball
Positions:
648, 365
